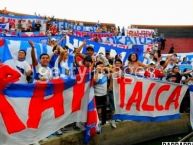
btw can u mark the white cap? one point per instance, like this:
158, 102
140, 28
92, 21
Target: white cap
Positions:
152, 62
53, 39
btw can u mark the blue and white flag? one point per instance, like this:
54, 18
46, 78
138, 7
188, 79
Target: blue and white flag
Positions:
74, 41
4, 26
42, 39
11, 48
126, 40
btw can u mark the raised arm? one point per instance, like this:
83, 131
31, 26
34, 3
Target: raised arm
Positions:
81, 46
167, 61
33, 56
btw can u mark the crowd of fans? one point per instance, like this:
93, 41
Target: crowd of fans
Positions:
49, 26
63, 64
103, 68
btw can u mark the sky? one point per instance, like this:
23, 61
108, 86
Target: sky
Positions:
120, 12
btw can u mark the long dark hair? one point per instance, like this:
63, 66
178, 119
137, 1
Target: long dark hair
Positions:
129, 58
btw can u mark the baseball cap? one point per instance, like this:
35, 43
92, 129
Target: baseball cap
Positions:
53, 39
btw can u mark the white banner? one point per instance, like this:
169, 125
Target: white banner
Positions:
149, 33
143, 99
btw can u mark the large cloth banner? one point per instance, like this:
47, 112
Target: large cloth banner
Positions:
11, 48
149, 33
74, 41
36, 39
125, 40
191, 104
5, 17
141, 99
75, 27
189, 56
4, 26
31, 34
184, 65
32, 112
92, 34
23, 34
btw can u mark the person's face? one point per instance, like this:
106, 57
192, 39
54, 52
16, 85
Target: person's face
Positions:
65, 53
176, 70
107, 55
45, 59
87, 63
133, 58
21, 55
53, 42
100, 67
90, 52
118, 64
151, 67
171, 61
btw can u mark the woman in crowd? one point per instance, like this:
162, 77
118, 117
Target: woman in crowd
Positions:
174, 76
134, 66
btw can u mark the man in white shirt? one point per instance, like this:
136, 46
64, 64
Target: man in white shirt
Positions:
22, 66
100, 91
42, 72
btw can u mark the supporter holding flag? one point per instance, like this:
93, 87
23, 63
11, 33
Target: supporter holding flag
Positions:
65, 64
22, 66
42, 72
56, 50
55, 55
100, 91
115, 73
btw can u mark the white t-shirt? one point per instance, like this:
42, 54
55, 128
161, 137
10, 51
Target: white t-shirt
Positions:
169, 67
64, 71
100, 88
43, 73
22, 67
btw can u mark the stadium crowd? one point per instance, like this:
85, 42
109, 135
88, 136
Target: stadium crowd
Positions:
103, 68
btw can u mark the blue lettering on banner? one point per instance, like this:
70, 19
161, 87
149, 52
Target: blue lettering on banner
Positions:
142, 40
117, 40
97, 46
128, 41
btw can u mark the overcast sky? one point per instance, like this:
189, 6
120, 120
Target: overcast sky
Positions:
120, 12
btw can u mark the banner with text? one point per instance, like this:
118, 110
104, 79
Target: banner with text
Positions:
126, 40
31, 112
92, 34
143, 99
148, 33
74, 41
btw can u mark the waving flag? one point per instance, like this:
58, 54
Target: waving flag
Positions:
4, 26
92, 118
12, 47
74, 41
191, 104
40, 109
